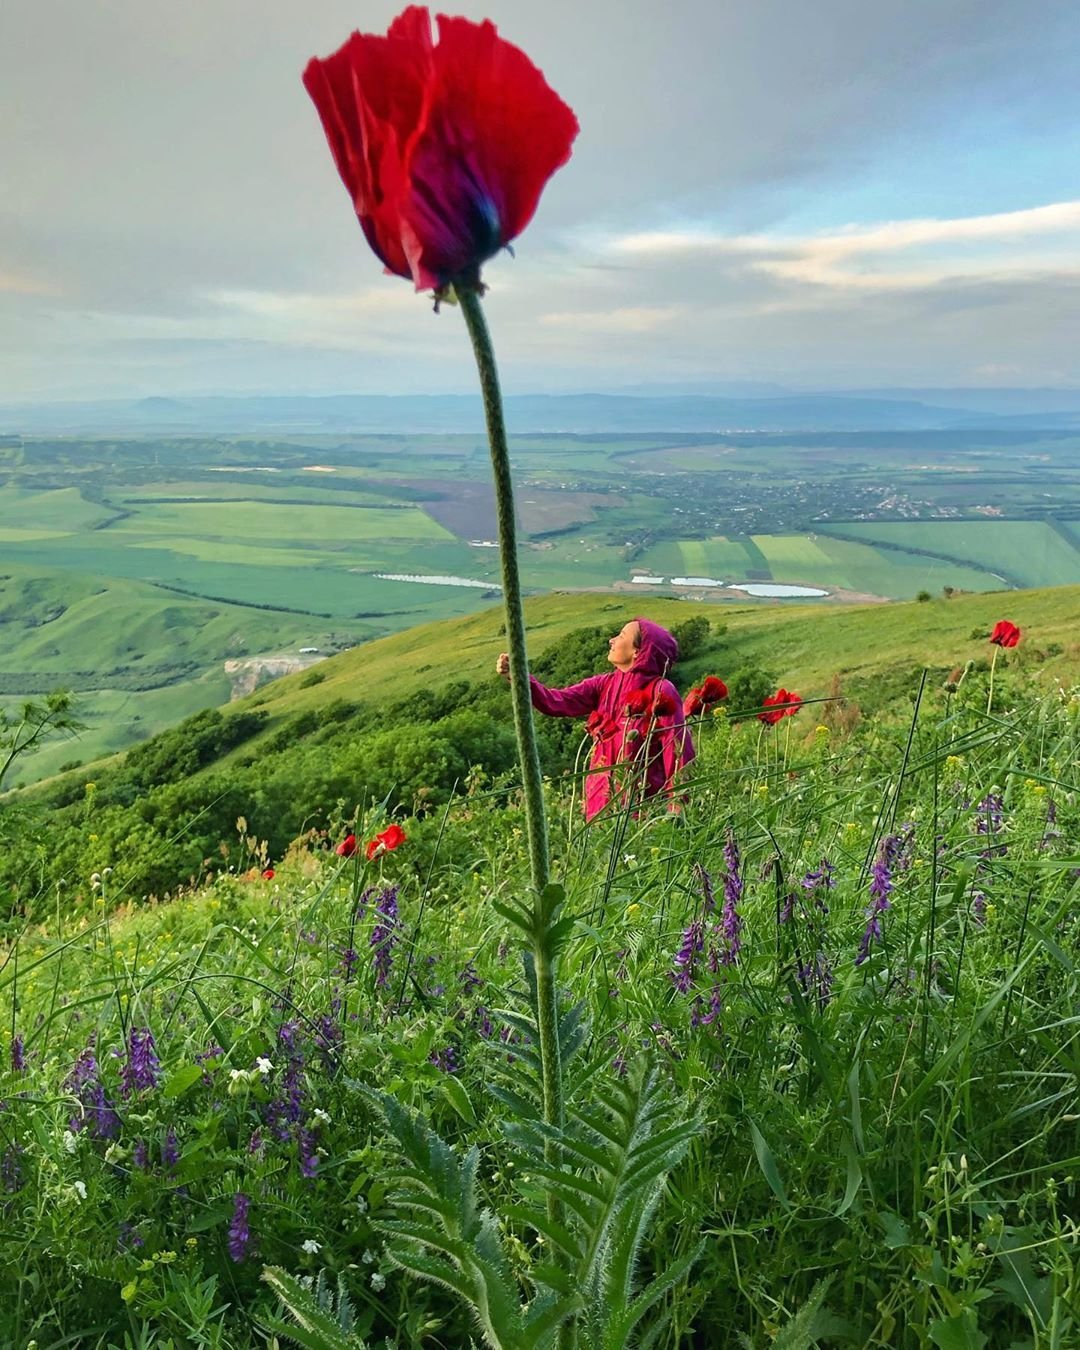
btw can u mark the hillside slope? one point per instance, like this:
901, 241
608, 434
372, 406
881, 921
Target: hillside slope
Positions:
803, 646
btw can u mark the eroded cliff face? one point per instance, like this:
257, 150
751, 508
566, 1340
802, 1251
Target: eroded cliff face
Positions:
247, 674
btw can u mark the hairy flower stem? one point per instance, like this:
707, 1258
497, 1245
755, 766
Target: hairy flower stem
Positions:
528, 752
993, 667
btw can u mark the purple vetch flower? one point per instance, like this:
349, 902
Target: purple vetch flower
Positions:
384, 935
730, 926
702, 1015
1051, 812
445, 1060
255, 1143
306, 1144
140, 1155
706, 888
239, 1229
99, 1112
816, 979
11, 1177
978, 908
989, 813
18, 1055
128, 1237
693, 943
619, 1064
881, 887
140, 1073
468, 979
170, 1150
787, 909
823, 876
349, 958
84, 1070
485, 1028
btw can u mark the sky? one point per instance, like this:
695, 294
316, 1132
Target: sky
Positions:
834, 195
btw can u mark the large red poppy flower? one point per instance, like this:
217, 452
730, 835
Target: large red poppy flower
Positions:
391, 838
779, 705
443, 147
347, 847
1005, 634
713, 689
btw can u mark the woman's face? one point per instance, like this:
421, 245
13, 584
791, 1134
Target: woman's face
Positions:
623, 647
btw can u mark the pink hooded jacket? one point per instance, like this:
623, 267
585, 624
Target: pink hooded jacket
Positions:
619, 736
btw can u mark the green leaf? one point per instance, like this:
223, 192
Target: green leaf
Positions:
957, 1333
896, 1230
768, 1166
181, 1079
454, 1092
799, 1333
854, 1178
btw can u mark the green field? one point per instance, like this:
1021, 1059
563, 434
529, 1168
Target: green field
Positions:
822, 561
1017, 552
136, 566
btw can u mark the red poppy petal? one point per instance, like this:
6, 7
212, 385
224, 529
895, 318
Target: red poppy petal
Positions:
494, 133
370, 97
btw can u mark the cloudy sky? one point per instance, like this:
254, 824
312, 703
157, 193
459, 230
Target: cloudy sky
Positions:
833, 194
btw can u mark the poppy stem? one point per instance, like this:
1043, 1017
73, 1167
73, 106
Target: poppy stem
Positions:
528, 751
545, 905
993, 667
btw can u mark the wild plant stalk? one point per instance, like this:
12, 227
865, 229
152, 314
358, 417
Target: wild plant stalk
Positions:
545, 960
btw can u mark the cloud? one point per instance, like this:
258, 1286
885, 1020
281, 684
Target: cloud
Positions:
864, 257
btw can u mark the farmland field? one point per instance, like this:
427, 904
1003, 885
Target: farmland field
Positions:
1017, 552
290, 542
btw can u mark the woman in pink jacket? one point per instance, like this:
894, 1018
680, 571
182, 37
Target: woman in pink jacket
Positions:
634, 715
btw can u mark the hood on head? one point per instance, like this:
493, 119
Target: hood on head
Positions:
658, 651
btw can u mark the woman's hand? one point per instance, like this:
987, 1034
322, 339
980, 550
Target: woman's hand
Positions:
502, 665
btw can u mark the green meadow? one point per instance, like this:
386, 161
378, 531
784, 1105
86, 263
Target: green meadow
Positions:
818, 1041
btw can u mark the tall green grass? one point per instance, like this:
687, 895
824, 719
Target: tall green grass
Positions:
876, 1154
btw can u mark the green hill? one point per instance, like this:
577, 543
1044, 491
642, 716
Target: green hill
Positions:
140, 656
408, 719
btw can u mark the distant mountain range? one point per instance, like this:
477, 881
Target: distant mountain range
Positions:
583, 414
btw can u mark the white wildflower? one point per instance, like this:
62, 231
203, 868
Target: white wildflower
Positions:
368, 1257
321, 1116
263, 1065
378, 1281
311, 1247
361, 1204
70, 1141
79, 1187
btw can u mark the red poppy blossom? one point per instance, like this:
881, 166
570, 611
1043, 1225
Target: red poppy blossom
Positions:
1005, 634
650, 702
443, 147
347, 847
268, 874
781, 704
713, 689
391, 838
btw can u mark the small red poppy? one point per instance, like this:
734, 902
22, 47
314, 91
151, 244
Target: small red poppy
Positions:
444, 147
600, 726
1005, 634
693, 702
347, 847
665, 704
781, 704
268, 874
713, 689
391, 838
637, 702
